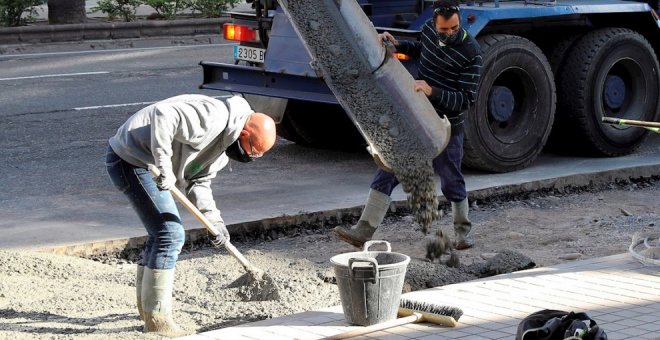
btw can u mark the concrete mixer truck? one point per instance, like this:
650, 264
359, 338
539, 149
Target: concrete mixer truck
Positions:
552, 70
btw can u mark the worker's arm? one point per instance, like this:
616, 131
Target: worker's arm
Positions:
200, 194
183, 121
165, 124
466, 93
411, 48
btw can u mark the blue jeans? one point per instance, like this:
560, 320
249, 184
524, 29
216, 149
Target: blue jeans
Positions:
447, 165
156, 210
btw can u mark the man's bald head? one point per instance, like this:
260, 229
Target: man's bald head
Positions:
258, 135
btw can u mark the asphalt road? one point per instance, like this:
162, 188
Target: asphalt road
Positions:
39, 83
59, 109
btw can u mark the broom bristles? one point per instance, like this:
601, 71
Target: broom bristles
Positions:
424, 307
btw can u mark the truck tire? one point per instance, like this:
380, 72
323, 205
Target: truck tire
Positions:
319, 125
611, 72
557, 57
558, 54
509, 124
286, 130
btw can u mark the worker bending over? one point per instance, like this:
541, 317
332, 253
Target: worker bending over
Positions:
189, 138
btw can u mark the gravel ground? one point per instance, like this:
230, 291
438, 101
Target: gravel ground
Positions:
45, 296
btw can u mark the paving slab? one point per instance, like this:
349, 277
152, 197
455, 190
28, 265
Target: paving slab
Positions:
621, 294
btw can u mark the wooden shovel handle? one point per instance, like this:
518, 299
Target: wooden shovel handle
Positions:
639, 123
377, 327
205, 222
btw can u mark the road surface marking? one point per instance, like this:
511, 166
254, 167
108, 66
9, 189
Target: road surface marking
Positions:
57, 75
128, 49
126, 104
109, 106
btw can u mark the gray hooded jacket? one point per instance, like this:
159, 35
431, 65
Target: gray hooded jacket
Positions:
187, 136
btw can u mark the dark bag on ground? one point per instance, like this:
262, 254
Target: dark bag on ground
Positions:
551, 324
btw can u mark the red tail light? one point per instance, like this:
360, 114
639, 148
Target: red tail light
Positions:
402, 56
239, 33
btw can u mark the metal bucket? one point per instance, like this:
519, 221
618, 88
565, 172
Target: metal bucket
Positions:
370, 283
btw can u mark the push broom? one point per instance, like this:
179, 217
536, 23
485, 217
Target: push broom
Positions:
410, 312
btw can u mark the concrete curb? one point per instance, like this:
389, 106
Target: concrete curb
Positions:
107, 31
266, 226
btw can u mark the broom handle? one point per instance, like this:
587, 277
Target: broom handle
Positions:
205, 222
416, 317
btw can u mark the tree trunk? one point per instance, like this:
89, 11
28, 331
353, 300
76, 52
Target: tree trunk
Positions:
66, 12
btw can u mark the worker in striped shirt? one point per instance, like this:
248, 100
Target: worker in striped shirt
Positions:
449, 70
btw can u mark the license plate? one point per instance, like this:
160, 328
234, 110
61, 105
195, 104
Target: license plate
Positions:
247, 53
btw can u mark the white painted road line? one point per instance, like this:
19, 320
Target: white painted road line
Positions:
128, 49
109, 106
127, 104
56, 75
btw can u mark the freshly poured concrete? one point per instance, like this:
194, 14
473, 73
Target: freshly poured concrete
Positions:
376, 90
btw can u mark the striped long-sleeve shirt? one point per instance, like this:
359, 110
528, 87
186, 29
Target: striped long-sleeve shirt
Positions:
452, 71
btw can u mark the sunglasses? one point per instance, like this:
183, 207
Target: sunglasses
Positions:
252, 153
446, 10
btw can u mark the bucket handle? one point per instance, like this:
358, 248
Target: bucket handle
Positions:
370, 243
372, 261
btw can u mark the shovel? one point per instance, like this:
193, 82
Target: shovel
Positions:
256, 284
651, 126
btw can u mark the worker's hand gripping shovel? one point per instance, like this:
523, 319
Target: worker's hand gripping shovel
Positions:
260, 285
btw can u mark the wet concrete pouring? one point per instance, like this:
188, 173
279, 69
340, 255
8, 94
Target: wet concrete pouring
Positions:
377, 92
45, 296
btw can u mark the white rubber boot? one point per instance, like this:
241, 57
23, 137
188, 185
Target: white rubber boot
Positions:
462, 225
372, 216
138, 290
157, 287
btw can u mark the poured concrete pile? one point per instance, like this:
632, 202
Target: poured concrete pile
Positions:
377, 92
46, 296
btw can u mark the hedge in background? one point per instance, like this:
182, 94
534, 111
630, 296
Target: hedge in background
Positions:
167, 9
18, 12
124, 9
211, 8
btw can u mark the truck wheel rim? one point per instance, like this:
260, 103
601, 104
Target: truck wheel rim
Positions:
622, 87
614, 93
510, 95
500, 103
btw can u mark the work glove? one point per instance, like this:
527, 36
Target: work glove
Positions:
166, 180
223, 235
